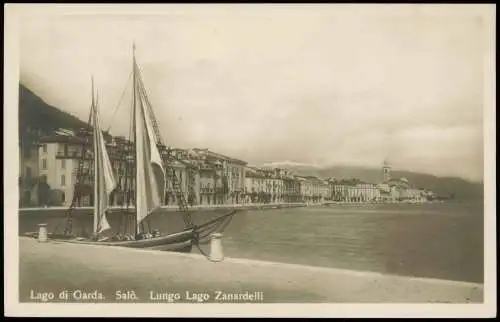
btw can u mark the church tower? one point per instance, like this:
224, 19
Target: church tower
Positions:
386, 170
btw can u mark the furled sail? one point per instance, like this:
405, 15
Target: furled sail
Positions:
104, 178
150, 175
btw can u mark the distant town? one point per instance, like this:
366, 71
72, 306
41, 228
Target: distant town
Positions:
56, 171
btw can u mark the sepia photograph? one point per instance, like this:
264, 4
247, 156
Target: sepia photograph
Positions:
325, 160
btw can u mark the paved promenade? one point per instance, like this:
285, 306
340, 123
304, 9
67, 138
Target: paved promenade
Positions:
118, 272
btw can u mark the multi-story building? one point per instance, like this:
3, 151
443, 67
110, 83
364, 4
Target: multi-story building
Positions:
338, 190
205, 177
278, 193
291, 187
324, 190
251, 184
58, 164
353, 191
306, 189
385, 192
258, 185
229, 176
315, 189
273, 185
266, 185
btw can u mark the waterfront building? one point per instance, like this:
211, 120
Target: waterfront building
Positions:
204, 176
251, 184
415, 195
64, 156
368, 192
229, 176
291, 186
317, 188
324, 190
58, 165
280, 185
385, 192
400, 188
339, 191
180, 170
306, 189
353, 190
274, 184
255, 185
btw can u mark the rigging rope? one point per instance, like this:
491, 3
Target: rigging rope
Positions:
183, 206
76, 196
120, 100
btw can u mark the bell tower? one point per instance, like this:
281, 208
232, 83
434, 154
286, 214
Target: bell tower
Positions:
386, 171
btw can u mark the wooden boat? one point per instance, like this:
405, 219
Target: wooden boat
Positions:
151, 173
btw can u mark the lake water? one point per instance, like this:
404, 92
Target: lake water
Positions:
425, 240
429, 240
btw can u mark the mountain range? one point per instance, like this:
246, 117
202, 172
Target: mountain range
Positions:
37, 116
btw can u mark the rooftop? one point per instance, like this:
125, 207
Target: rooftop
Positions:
207, 152
58, 138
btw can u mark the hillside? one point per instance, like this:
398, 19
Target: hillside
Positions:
442, 186
35, 114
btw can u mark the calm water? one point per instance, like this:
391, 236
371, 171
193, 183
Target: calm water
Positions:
434, 240
430, 240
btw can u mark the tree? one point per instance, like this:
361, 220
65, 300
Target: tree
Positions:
56, 197
43, 193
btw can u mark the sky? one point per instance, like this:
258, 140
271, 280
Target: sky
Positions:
325, 85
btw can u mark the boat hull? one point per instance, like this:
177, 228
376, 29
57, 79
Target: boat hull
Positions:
174, 237
180, 242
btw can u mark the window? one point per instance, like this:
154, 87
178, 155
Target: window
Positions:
44, 164
44, 148
28, 172
63, 180
63, 164
63, 197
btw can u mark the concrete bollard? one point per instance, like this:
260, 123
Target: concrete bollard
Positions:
42, 233
216, 252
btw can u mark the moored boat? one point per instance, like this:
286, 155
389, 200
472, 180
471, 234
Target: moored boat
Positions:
152, 172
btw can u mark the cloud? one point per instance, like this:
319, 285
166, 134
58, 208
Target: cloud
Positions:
311, 86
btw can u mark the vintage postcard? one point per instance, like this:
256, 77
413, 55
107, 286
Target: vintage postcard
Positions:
249, 160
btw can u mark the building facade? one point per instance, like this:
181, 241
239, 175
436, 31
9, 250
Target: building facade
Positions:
203, 176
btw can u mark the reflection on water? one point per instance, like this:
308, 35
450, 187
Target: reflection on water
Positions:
430, 240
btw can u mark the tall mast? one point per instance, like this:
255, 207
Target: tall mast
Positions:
134, 78
96, 163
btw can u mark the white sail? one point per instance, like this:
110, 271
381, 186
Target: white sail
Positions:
104, 183
150, 175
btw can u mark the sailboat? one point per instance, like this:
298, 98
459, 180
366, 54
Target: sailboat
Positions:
153, 173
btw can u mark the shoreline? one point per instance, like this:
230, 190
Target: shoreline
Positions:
255, 206
42, 264
192, 208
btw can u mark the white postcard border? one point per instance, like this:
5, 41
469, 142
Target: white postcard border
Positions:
12, 16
